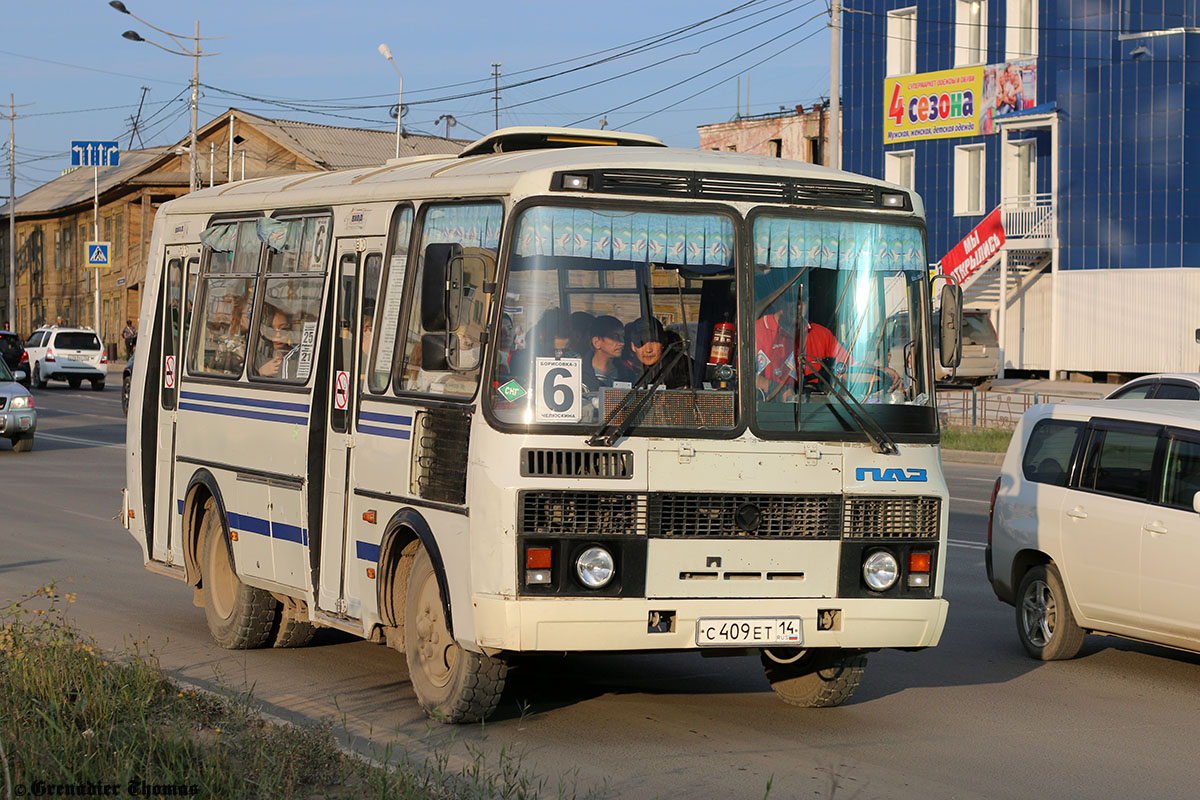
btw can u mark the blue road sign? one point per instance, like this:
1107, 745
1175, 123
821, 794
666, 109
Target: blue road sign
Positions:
95, 154
97, 254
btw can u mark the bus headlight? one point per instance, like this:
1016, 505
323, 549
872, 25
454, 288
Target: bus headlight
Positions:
880, 570
595, 567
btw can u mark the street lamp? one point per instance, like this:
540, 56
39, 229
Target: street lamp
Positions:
195, 53
386, 52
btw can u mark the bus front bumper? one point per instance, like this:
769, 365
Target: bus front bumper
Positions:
585, 624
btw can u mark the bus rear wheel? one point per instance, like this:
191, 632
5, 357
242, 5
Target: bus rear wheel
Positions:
818, 678
452, 684
239, 617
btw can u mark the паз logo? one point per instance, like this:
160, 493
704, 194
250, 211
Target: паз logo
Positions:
893, 475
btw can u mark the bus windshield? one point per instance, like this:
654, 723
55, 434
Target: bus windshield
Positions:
849, 296
610, 316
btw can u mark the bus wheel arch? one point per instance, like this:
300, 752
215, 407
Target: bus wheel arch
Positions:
396, 553
201, 487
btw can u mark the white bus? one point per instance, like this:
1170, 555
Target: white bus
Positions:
544, 396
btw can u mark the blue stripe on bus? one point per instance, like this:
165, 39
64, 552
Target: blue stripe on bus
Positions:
245, 401
367, 551
274, 530
395, 433
237, 412
179, 503
392, 418
289, 533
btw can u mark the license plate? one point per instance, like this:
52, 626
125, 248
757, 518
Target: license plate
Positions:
737, 631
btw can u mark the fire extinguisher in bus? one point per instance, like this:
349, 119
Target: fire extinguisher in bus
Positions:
720, 358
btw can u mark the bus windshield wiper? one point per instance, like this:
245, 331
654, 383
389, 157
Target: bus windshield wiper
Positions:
649, 380
881, 441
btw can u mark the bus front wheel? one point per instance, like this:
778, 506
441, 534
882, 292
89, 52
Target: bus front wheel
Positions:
818, 678
452, 684
239, 617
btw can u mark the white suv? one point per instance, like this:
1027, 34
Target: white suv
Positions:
1095, 524
66, 354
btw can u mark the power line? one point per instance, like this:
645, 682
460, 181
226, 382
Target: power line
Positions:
76, 66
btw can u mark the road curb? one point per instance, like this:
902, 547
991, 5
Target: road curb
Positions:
972, 457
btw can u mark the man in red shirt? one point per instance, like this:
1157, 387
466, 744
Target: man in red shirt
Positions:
775, 336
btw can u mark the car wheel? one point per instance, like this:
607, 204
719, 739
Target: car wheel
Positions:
818, 678
125, 381
98, 386
452, 684
239, 617
38, 383
74, 383
1044, 620
22, 444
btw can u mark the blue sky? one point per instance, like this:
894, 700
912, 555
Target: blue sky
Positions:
66, 58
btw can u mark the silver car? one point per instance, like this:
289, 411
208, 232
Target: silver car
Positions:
18, 419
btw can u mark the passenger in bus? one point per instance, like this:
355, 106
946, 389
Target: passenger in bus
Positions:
504, 346
581, 331
603, 367
366, 330
650, 342
279, 352
550, 338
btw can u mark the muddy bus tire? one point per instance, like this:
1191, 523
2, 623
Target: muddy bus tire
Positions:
452, 684
819, 678
292, 632
240, 617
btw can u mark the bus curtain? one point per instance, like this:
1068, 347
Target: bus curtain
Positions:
701, 242
781, 242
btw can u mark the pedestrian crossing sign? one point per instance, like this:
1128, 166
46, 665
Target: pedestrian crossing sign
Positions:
97, 254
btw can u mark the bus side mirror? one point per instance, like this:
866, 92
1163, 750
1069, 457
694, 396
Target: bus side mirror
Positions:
438, 351
436, 293
951, 326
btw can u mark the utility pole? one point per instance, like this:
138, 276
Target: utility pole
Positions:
137, 119
12, 213
835, 87
496, 80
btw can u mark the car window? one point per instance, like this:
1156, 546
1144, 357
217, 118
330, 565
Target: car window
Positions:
977, 329
1120, 462
1177, 391
1137, 392
76, 340
35, 340
10, 347
1048, 455
1181, 473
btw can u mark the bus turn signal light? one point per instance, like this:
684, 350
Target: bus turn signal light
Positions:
538, 558
919, 562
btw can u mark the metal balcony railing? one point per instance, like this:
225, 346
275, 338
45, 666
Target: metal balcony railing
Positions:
1029, 216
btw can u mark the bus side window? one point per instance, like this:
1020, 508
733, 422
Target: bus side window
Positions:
174, 275
476, 227
391, 302
226, 298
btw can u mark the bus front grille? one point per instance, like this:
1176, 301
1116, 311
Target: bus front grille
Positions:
680, 515
891, 517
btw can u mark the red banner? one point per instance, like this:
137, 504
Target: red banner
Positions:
966, 257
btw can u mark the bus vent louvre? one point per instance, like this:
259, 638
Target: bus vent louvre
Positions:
553, 463
892, 517
440, 442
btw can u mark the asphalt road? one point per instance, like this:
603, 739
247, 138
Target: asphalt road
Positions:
973, 717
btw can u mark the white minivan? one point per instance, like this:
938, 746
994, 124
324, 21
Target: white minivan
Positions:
1095, 524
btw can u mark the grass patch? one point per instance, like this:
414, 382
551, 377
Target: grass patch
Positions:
70, 717
988, 440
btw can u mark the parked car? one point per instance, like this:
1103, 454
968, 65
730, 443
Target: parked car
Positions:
18, 418
12, 352
1166, 386
1095, 524
126, 382
980, 346
73, 355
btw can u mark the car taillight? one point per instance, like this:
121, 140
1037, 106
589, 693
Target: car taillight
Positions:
24, 357
992, 510
50, 354
104, 357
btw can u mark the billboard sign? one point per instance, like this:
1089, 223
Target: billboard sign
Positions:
956, 102
977, 249
932, 105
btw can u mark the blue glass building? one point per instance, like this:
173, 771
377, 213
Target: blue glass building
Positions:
1086, 153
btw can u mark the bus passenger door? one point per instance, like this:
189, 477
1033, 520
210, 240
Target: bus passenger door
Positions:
333, 594
182, 263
